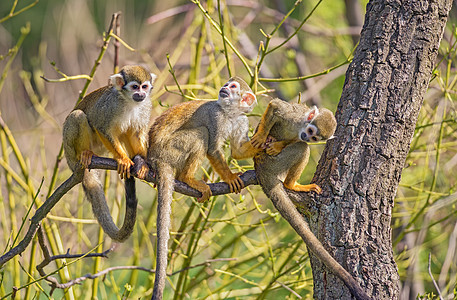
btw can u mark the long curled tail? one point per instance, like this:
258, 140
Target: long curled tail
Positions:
275, 190
94, 193
165, 197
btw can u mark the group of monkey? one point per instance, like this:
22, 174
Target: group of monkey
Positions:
117, 118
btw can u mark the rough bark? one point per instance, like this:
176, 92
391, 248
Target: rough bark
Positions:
360, 169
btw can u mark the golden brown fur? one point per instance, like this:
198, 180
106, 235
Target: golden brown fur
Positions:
113, 118
181, 138
281, 164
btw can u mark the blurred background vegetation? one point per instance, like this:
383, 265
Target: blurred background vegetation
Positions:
270, 259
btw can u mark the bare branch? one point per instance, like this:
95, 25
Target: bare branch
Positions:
56, 284
431, 276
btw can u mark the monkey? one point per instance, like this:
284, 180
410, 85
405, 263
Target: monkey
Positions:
114, 118
181, 137
285, 129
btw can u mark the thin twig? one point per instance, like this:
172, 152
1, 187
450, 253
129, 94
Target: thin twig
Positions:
116, 42
431, 276
40, 214
229, 43
13, 13
48, 259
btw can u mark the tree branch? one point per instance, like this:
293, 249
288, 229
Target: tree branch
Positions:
301, 199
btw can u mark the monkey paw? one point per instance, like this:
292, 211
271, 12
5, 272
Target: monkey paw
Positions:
235, 183
123, 167
258, 140
86, 158
142, 172
274, 148
206, 193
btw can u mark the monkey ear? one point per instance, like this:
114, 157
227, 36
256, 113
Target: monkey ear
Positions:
312, 114
153, 77
248, 98
117, 81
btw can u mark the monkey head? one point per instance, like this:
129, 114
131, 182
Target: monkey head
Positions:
237, 95
134, 82
320, 124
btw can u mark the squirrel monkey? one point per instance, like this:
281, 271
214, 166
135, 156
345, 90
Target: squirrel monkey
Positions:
114, 118
285, 129
181, 137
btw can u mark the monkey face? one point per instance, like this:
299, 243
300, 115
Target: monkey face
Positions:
318, 125
232, 94
133, 82
138, 92
309, 134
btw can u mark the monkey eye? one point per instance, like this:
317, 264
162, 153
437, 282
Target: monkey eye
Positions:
144, 86
310, 131
135, 86
233, 86
314, 139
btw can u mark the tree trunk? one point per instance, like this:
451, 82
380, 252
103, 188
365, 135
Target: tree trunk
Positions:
361, 167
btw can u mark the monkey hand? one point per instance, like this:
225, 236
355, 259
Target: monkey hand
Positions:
235, 183
86, 158
274, 148
123, 167
258, 140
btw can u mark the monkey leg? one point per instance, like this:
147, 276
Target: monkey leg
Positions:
136, 144
114, 146
219, 164
77, 139
266, 123
187, 175
298, 155
186, 149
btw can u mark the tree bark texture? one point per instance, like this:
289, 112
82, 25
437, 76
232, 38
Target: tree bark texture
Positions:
361, 167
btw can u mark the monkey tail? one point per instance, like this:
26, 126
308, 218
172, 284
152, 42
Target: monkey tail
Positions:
165, 197
94, 193
275, 190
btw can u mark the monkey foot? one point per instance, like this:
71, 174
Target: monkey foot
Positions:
123, 167
86, 158
305, 188
206, 194
142, 172
205, 190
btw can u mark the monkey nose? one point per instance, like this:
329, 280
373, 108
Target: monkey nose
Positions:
304, 137
138, 97
224, 93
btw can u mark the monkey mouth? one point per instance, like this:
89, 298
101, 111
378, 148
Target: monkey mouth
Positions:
224, 93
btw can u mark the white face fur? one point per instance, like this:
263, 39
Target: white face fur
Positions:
310, 133
138, 91
232, 91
